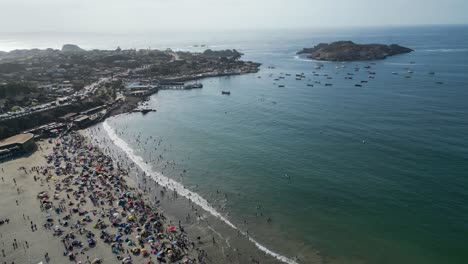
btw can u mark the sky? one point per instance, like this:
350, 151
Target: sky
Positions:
163, 15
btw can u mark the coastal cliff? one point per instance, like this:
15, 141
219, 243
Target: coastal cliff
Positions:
350, 51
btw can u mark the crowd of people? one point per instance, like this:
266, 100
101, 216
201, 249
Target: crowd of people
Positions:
91, 203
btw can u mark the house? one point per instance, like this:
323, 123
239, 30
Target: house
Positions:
16, 145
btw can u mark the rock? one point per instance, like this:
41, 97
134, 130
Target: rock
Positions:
71, 48
222, 53
349, 51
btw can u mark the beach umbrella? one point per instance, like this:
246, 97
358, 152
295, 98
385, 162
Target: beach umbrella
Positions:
144, 251
171, 228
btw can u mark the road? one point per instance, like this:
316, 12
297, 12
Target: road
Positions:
82, 94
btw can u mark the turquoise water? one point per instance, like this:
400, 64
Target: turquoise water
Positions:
375, 174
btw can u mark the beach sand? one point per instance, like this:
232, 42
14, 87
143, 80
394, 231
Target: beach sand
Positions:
213, 241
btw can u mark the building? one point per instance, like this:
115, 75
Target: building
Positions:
48, 130
68, 117
93, 110
81, 120
16, 145
140, 88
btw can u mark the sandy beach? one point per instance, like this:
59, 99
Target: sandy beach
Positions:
68, 201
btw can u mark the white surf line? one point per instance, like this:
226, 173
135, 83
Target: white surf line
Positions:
181, 190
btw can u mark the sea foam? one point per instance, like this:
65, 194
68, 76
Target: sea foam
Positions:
181, 190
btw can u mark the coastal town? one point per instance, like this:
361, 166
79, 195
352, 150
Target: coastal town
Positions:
44, 91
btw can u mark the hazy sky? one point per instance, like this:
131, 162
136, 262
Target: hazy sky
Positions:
124, 15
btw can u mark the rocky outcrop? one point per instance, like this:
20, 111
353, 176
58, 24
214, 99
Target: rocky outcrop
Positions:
222, 53
350, 51
71, 48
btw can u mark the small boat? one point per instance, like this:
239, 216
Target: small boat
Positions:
394, 73
367, 67
407, 76
371, 77
259, 77
329, 78
439, 83
311, 85
298, 79
281, 85
358, 85
226, 92
431, 73
318, 82
328, 84
410, 72
288, 74
363, 81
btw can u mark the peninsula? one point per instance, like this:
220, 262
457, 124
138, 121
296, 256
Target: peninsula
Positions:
350, 51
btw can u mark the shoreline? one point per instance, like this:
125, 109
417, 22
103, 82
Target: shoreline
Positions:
214, 241
210, 222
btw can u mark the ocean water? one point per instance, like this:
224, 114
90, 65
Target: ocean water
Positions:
372, 174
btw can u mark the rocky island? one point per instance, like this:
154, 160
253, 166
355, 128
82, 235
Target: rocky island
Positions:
350, 51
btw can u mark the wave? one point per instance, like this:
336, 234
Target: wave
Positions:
181, 190
299, 58
445, 50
